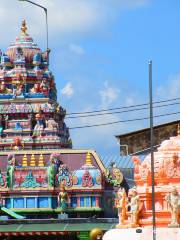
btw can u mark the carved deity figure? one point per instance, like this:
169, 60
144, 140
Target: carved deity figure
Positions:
4, 89
173, 200
122, 205
36, 88
134, 205
39, 127
44, 86
62, 197
51, 124
18, 90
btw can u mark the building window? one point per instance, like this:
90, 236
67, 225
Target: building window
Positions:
43, 202
81, 201
8, 203
18, 203
30, 202
74, 202
88, 201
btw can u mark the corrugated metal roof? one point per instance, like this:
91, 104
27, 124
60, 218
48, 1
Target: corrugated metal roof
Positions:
120, 161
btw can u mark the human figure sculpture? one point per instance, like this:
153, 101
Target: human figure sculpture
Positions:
4, 89
122, 205
35, 88
18, 90
173, 200
51, 124
39, 127
62, 197
134, 205
44, 86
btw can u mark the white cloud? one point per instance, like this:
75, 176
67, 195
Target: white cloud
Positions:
68, 90
77, 49
108, 95
172, 88
63, 16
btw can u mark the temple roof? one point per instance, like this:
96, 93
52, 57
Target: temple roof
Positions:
25, 42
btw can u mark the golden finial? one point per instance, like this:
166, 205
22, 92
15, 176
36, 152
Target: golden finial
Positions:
178, 130
41, 161
88, 159
33, 161
23, 28
24, 161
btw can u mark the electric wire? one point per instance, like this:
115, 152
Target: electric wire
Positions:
125, 107
122, 121
124, 111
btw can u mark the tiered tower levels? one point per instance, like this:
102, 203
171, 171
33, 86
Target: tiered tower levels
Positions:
30, 117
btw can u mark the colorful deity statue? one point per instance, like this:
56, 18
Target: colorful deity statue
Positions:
113, 175
44, 86
87, 180
173, 200
18, 89
135, 207
10, 169
64, 176
63, 197
51, 124
4, 89
121, 204
39, 127
36, 88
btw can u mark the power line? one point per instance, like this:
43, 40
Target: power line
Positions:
124, 111
123, 121
118, 108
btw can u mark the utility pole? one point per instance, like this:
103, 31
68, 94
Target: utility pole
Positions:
152, 149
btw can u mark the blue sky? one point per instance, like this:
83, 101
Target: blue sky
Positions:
99, 56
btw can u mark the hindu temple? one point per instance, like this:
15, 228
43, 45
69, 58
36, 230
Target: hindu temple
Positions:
47, 188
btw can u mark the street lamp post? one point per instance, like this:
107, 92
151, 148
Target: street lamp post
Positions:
47, 37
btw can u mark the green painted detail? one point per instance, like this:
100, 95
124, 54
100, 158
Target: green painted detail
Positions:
51, 174
11, 213
30, 181
83, 236
58, 210
9, 176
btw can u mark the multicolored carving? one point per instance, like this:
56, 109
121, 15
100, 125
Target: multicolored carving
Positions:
63, 197
39, 127
53, 168
114, 175
64, 176
30, 181
4, 89
87, 180
34, 178
10, 169
3, 182
51, 124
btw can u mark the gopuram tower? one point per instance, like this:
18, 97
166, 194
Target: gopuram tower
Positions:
30, 116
